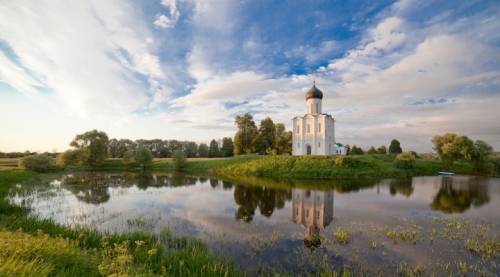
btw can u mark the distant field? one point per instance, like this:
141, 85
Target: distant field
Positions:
8, 163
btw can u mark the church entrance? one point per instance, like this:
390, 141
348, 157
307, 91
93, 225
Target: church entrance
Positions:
308, 149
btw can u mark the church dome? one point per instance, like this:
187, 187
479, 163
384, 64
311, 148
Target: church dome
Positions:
314, 92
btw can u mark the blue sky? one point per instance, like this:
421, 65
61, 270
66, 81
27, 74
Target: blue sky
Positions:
182, 69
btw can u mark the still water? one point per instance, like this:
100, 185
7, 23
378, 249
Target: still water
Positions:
423, 224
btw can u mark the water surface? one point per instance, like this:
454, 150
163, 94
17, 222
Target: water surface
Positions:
268, 224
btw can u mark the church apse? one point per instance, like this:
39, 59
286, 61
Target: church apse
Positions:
314, 210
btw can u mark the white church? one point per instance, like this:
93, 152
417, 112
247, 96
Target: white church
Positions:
314, 133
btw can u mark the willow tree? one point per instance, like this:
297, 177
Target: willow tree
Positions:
92, 146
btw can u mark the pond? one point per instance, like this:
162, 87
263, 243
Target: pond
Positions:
445, 225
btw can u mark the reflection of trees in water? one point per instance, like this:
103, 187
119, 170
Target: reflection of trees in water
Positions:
93, 188
401, 186
90, 188
458, 195
266, 199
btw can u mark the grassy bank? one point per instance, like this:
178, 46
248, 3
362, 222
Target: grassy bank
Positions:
198, 166
35, 247
334, 167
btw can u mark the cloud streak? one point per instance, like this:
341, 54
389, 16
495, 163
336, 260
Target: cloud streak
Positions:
184, 69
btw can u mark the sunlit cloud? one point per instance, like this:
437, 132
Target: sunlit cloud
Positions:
184, 69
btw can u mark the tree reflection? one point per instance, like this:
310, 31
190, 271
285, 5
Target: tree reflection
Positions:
89, 188
248, 198
458, 195
401, 186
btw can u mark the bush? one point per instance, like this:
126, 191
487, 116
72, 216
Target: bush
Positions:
129, 158
350, 162
179, 160
405, 160
69, 158
38, 163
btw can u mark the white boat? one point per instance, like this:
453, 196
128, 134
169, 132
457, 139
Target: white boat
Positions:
445, 173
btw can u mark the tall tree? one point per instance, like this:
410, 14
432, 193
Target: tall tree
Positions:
283, 140
227, 149
203, 150
190, 148
395, 147
93, 146
372, 150
247, 131
265, 141
213, 150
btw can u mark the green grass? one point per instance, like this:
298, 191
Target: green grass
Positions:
335, 167
36, 247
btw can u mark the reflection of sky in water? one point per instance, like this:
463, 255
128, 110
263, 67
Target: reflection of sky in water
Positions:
258, 225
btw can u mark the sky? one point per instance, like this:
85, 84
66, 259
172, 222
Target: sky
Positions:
183, 69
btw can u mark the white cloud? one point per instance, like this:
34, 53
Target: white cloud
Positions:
164, 21
87, 53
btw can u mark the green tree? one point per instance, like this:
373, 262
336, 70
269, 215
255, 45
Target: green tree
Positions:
144, 157
244, 137
265, 141
451, 147
203, 150
356, 150
480, 156
93, 146
190, 148
395, 147
382, 150
227, 149
283, 140
213, 150
372, 150
179, 160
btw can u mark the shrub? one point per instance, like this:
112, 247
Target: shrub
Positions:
405, 160
129, 157
69, 158
179, 160
348, 161
38, 163
341, 235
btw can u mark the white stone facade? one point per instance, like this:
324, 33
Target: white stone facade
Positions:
313, 133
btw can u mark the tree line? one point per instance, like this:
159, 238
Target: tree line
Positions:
117, 148
394, 148
268, 138
93, 147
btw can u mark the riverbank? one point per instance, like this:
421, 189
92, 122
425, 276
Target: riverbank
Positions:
338, 167
373, 166
36, 247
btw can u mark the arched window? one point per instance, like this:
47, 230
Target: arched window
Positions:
319, 144
308, 128
319, 127
317, 108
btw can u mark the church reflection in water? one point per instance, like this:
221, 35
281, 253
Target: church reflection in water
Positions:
314, 210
